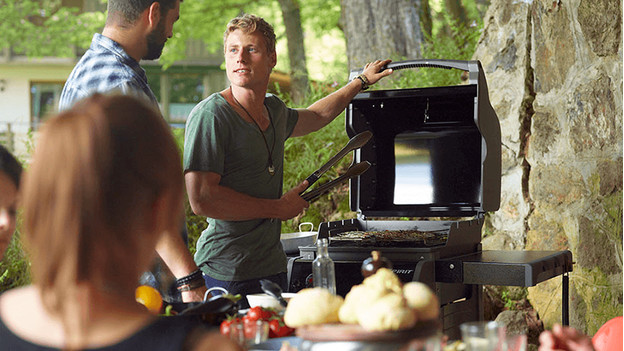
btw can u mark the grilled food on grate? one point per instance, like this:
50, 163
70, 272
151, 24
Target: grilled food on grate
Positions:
387, 238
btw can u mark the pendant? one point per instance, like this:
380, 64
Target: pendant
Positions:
271, 170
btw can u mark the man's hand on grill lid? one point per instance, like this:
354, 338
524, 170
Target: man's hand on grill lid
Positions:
373, 71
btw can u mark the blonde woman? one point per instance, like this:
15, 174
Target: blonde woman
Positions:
104, 184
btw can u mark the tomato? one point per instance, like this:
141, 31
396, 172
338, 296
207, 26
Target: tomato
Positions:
226, 325
255, 313
269, 313
278, 329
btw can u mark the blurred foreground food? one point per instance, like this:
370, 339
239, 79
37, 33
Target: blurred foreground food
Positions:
149, 297
381, 303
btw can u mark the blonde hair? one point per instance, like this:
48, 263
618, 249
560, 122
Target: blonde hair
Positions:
248, 23
97, 171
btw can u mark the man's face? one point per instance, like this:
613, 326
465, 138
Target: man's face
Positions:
247, 61
158, 37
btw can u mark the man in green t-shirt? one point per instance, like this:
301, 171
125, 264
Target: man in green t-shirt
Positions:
233, 160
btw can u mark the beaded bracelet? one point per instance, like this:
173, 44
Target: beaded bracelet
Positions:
191, 286
186, 280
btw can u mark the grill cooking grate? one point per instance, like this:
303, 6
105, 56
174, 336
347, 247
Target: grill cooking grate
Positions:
389, 238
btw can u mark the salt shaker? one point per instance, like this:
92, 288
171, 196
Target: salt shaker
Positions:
323, 272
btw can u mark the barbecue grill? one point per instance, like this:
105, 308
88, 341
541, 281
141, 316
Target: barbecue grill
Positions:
435, 171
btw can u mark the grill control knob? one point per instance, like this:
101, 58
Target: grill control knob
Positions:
373, 263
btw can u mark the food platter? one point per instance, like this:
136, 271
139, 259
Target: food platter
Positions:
354, 332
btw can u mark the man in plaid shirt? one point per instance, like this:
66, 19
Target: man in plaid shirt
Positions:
134, 30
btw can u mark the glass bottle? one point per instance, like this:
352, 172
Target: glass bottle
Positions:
323, 273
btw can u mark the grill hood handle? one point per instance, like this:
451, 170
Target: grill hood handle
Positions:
469, 66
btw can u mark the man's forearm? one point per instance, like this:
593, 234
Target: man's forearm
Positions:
208, 198
177, 257
333, 104
227, 204
175, 254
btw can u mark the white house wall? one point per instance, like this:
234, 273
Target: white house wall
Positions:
15, 105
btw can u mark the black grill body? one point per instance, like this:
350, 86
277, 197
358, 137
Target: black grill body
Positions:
435, 161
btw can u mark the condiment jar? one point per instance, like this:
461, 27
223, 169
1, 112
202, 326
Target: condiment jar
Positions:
373, 263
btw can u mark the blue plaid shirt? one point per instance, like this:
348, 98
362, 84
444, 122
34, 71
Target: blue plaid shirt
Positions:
105, 67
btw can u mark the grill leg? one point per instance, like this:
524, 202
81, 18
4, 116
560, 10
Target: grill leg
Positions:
565, 315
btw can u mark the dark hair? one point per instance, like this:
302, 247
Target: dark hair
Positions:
250, 23
128, 11
10, 166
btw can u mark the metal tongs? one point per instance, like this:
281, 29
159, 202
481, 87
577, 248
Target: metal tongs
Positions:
354, 170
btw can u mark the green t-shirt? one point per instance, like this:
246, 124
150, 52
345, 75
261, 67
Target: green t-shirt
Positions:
218, 140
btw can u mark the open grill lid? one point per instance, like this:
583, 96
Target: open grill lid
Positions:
435, 152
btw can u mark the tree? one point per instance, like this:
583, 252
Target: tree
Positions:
296, 49
425, 18
381, 29
457, 11
45, 28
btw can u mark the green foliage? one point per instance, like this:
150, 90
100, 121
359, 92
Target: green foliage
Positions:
304, 155
599, 295
45, 28
460, 45
508, 301
178, 136
14, 267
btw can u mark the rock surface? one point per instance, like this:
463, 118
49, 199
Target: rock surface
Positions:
554, 71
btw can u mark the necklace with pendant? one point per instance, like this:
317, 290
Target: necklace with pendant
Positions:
270, 168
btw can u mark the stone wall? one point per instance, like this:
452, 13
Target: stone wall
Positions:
554, 71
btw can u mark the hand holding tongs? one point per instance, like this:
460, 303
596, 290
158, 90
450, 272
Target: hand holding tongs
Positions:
356, 142
353, 171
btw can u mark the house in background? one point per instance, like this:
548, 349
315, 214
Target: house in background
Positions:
30, 87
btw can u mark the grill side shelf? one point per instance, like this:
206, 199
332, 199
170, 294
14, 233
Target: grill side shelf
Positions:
511, 268
504, 268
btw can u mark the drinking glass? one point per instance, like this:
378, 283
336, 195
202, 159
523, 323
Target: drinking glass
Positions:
257, 332
432, 343
516, 342
483, 336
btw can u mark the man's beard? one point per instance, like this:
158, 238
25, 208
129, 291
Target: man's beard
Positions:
156, 40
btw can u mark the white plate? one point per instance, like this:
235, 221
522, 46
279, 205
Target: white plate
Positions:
268, 301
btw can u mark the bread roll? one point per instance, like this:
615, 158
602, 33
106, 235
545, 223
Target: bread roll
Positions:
389, 312
312, 306
422, 300
386, 279
359, 297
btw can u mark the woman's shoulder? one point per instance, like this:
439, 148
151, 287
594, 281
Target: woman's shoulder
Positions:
180, 333
164, 334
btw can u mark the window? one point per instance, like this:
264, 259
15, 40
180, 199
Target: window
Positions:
44, 99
